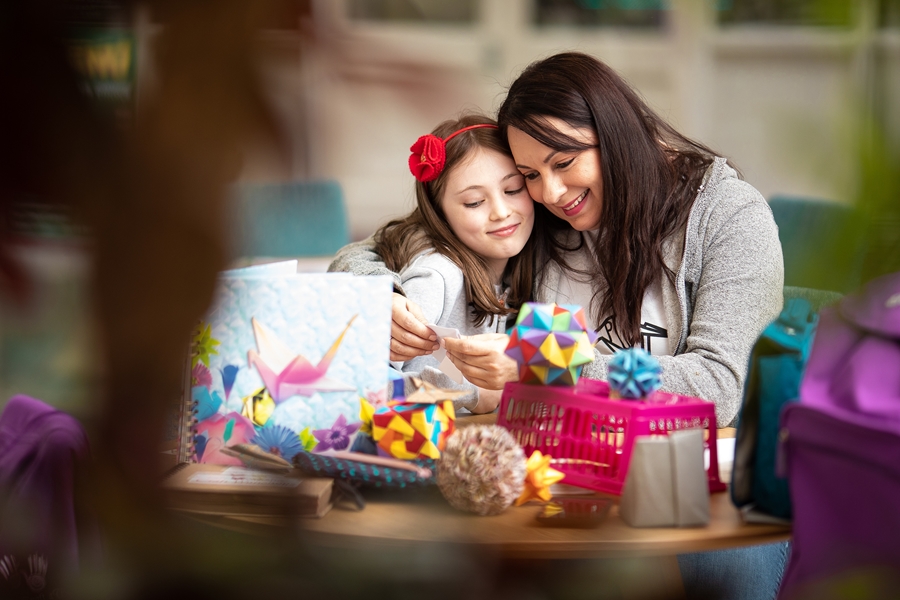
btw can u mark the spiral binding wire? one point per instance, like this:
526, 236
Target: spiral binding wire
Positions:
187, 422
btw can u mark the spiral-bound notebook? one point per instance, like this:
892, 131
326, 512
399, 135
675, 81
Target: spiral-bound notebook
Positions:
281, 355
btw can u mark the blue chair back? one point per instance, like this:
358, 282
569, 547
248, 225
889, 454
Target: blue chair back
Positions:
294, 219
821, 243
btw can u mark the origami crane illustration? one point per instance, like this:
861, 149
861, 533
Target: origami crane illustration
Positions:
286, 374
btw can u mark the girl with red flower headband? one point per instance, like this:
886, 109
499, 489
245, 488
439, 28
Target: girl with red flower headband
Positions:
463, 255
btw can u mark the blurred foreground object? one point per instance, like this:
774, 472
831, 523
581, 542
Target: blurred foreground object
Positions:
777, 363
151, 198
42, 451
841, 441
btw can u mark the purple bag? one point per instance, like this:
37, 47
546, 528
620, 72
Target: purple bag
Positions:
840, 446
41, 449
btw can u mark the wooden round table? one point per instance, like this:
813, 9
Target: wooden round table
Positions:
422, 517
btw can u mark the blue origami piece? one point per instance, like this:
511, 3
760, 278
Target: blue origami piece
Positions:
229, 373
634, 374
206, 404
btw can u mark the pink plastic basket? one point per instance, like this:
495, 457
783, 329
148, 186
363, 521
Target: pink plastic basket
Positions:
590, 437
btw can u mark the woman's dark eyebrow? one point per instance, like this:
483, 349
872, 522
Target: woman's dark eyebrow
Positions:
546, 160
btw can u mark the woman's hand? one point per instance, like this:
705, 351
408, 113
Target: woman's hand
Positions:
482, 360
409, 335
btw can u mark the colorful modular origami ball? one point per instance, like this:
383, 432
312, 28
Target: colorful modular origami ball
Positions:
634, 373
410, 431
551, 343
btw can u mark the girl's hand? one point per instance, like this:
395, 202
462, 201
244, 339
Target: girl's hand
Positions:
409, 335
488, 401
482, 360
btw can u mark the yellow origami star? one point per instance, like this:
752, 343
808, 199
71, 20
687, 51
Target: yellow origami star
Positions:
258, 406
366, 413
539, 476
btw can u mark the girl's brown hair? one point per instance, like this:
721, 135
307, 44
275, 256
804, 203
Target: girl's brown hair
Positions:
426, 227
651, 174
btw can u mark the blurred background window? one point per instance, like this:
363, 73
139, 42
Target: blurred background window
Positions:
819, 13
434, 11
601, 13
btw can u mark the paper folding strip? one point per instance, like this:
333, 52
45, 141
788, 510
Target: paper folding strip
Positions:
428, 393
551, 343
410, 431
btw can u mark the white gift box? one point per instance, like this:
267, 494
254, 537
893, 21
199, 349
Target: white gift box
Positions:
666, 484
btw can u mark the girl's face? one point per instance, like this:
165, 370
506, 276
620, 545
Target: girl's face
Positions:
488, 207
567, 183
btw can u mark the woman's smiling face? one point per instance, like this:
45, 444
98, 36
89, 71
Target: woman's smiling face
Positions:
569, 183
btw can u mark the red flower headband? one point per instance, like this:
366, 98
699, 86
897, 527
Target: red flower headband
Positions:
429, 153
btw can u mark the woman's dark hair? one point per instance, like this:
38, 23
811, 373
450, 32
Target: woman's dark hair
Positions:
399, 241
651, 174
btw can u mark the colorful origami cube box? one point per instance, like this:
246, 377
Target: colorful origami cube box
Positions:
551, 343
411, 431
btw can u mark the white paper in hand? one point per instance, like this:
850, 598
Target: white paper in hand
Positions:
447, 367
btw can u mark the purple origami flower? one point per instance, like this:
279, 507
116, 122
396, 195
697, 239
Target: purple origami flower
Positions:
336, 438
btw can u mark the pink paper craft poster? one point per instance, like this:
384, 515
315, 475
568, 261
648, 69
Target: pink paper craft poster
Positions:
280, 354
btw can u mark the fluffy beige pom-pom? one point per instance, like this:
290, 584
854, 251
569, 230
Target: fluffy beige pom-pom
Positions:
482, 469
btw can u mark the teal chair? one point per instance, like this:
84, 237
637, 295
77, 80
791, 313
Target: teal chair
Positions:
304, 218
821, 242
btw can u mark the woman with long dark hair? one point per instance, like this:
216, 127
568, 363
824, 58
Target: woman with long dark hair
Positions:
660, 239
